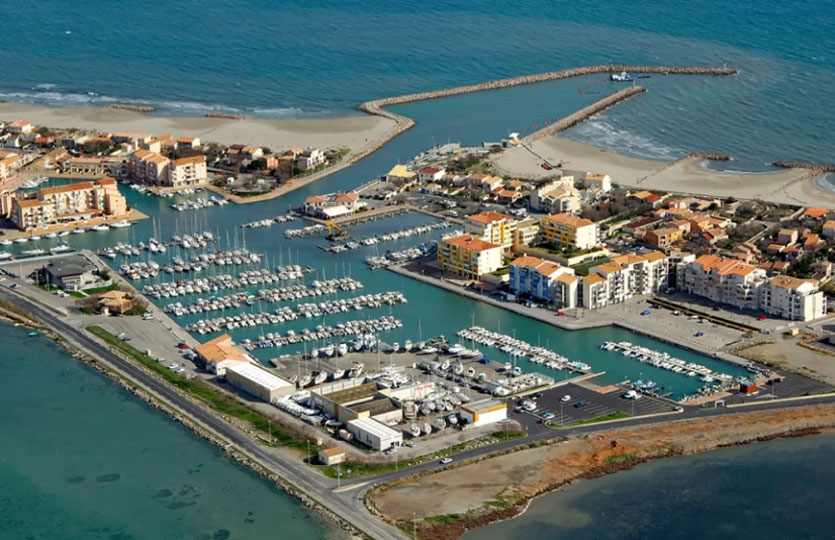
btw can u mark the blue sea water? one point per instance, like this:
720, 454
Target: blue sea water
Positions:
295, 58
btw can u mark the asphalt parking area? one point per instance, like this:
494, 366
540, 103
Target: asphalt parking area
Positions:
585, 404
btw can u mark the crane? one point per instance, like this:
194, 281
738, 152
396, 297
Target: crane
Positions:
335, 232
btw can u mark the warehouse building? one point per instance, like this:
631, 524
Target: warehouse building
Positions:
258, 382
360, 401
486, 411
375, 434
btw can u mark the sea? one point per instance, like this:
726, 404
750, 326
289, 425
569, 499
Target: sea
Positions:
300, 59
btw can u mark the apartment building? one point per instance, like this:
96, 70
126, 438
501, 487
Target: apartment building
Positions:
793, 298
469, 257
537, 278
569, 231
526, 232
495, 227
150, 168
630, 275
597, 182
67, 203
556, 199
187, 171
9, 162
113, 166
723, 280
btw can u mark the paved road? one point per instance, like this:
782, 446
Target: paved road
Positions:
347, 503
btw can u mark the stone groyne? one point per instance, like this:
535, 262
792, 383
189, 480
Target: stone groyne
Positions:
226, 116
820, 167
585, 113
132, 107
707, 155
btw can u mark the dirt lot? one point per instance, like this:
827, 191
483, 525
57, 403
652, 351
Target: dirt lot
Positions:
499, 487
786, 354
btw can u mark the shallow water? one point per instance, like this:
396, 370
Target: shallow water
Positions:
80, 458
774, 490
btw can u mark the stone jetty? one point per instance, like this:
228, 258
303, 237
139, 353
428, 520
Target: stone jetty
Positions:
376, 107
585, 113
132, 107
821, 167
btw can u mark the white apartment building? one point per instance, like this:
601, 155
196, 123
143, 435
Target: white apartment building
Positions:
187, 171
793, 298
310, 158
538, 278
624, 277
724, 281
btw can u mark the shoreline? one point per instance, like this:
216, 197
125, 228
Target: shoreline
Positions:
544, 469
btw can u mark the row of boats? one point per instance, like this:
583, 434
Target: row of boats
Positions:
217, 283
198, 204
269, 222
272, 295
402, 256
309, 230
521, 349
322, 332
178, 265
63, 234
287, 313
362, 342
665, 361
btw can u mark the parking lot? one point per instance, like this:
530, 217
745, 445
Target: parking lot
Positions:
791, 385
584, 404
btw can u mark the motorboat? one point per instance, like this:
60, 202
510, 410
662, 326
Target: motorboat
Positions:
621, 77
100, 228
121, 224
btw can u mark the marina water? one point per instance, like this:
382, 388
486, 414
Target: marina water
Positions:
776, 488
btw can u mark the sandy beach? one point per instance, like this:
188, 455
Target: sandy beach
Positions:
354, 132
794, 186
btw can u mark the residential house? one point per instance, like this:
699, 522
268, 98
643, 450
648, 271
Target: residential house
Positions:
20, 127
430, 174
787, 237
664, 237
401, 176
188, 143
310, 158
597, 182
829, 229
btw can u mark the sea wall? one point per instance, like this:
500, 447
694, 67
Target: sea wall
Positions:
585, 113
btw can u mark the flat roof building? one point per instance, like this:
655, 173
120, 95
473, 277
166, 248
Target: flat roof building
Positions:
375, 434
258, 382
486, 411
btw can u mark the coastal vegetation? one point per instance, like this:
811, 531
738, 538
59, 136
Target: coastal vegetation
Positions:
214, 398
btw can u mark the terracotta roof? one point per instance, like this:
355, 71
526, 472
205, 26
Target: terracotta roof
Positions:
487, 218
789, 282
567, 278
829, 224
189, 160
470, 242
28, 203
546, 268
725, 266
609, 267
430, 170
80, 186
816, 213
219, 349
592, 279
314, 199
107, 182
348, 196
570, 220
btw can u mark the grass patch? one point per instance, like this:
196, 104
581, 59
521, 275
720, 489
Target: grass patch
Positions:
616, 415
442, 519
99, 290
213, 397
366, 469
620, 458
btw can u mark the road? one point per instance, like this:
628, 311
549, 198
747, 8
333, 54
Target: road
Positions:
347, 502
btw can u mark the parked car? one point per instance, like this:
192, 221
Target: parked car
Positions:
581, 404
446, 461
565, 398
548, 415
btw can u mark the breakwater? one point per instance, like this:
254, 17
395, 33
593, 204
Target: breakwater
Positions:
707, 155
820, 167
585, 113
132, 107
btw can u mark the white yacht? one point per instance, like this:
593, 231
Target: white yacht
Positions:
121, 224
